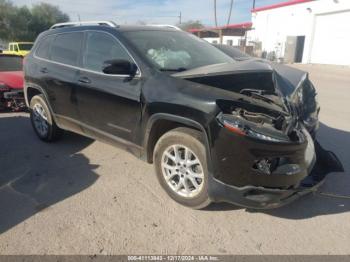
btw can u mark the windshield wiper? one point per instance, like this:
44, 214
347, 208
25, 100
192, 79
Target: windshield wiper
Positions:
180, 69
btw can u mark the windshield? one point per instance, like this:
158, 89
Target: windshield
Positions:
176, 50
233, 52
25, 47
10, 63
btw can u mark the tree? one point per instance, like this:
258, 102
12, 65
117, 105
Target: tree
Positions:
191, 24
44, 16
19, 27
6, 12
25, 24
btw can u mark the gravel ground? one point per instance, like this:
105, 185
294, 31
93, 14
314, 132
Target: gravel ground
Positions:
79, 196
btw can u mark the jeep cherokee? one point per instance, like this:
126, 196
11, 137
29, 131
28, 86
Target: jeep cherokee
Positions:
215, 128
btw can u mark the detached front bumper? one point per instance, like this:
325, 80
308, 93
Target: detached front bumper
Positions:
266, 198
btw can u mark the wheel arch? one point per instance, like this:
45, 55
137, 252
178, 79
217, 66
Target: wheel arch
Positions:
160, 123
32, 90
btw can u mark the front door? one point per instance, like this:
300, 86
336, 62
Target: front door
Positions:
108, 104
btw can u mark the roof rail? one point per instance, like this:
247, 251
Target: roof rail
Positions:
86, 23
169, 26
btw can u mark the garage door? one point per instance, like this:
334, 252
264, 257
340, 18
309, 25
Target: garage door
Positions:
331, 43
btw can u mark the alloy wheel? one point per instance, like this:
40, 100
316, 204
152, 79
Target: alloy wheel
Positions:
40, 120
182, 171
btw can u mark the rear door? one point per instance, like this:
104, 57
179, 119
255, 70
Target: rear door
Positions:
60, 72
108, 104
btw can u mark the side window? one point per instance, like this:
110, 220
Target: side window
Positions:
44, 47
66, 48
101, 47
15, 47
11, 47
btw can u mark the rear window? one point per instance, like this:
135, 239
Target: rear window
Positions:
10, 63
66, 48
44, 47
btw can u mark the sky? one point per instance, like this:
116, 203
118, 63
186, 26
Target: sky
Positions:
154, 11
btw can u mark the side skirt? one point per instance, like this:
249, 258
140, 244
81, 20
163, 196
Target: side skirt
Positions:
78, 127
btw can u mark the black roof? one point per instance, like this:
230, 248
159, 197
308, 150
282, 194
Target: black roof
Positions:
118, 28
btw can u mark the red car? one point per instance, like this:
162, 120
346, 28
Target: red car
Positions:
11, 83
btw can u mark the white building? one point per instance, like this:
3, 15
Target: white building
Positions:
227, 40
232, 34
307, 31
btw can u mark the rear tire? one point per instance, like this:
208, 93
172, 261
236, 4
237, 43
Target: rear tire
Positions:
42, 121
180, 162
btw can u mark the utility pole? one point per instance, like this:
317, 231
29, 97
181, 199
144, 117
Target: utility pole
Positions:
230, 13
253, 4
79, 17
180, 18
216, 20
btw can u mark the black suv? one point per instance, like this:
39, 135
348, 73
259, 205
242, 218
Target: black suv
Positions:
215, 128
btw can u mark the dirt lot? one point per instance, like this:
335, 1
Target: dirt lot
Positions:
79, 196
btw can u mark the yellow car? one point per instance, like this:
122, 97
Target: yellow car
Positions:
19, 48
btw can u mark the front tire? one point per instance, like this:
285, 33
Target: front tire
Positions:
42, 120
181, 166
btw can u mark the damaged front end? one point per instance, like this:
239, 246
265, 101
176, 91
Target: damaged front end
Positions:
268, 197
11, 99
264, 152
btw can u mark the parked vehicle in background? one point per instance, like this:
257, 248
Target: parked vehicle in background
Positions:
216, 129
11, 83
19, 48
2, 48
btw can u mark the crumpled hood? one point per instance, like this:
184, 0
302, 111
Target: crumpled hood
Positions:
13, 79
267, 91
226, 68
287, 78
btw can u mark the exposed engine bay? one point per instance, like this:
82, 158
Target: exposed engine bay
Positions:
266, 103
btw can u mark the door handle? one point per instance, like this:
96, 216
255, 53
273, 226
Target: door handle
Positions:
44, 70
84, 80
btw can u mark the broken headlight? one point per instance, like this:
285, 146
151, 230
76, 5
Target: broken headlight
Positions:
243, 127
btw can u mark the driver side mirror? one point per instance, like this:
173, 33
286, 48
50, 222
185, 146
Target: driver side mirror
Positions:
119, 67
